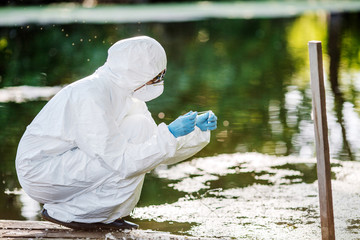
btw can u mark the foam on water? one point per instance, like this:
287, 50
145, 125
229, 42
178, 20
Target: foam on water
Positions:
282, 206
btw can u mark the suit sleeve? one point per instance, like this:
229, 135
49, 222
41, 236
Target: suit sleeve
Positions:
189, 145
97, 134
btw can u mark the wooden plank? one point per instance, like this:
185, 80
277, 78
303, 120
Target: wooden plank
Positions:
321, 138
41, 229
13, 233
34, 225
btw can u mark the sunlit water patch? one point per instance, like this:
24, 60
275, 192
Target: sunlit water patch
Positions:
255, 196
29, 207
21, 94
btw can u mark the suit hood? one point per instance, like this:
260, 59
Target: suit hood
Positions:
134, 61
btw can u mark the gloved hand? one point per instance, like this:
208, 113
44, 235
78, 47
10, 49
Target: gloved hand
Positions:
206, 121
183, 125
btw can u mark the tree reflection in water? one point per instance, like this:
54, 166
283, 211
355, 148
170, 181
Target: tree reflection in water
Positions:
252, 73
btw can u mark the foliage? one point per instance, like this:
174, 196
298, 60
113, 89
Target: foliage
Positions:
243, 70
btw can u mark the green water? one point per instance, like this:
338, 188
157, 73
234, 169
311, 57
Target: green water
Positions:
252, 73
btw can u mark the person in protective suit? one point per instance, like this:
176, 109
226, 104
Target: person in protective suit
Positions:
86, 153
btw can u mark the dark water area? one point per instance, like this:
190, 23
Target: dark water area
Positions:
253, 74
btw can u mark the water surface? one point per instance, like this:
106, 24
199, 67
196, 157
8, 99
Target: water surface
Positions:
257, 177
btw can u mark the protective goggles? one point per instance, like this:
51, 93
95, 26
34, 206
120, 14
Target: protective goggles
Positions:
158, 79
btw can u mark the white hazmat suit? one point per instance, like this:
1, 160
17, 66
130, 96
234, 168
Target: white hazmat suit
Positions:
86, 153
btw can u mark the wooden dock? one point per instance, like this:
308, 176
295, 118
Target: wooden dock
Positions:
10, 229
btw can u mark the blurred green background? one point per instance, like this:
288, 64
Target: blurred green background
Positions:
253, 73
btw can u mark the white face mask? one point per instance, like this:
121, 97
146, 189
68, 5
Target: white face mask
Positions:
149, 92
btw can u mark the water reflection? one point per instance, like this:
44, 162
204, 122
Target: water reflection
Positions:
252, 73
334, 46
22, 94
29, 207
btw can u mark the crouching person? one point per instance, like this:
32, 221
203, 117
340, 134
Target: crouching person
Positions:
86, 153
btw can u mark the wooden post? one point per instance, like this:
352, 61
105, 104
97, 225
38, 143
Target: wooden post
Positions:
321, 137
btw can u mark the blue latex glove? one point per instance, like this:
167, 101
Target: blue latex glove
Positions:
206, 121
183, 125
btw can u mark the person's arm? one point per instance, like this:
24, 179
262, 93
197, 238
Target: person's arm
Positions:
190, 144
97, 134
